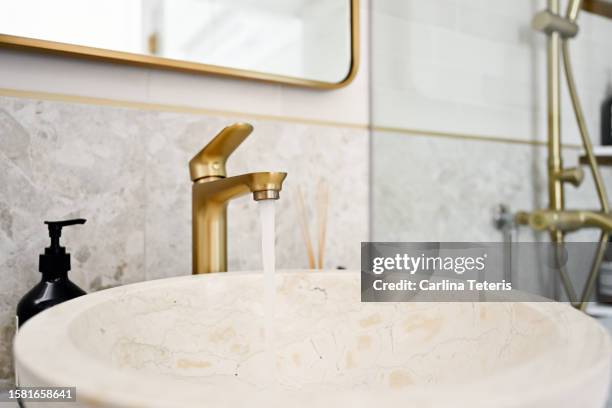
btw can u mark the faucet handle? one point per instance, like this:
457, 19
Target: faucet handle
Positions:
210, 161
572, 175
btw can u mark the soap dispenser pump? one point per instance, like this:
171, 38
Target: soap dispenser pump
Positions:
54, 286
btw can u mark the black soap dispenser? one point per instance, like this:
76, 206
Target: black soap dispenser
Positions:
54, 287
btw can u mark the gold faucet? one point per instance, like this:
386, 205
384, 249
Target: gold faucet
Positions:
213, 190
556, 219
564, 221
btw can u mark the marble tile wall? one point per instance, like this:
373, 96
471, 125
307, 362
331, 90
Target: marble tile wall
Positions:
443, 189
440, 189
125, 170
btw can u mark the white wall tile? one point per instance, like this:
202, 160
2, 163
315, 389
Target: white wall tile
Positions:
487, 61
31, 71
217, 93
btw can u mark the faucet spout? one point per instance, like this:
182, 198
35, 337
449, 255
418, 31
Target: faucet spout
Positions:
263, 185
209, 212
212, 191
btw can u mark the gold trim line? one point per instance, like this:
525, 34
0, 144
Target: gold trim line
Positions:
159, 107
465, 136
89, 100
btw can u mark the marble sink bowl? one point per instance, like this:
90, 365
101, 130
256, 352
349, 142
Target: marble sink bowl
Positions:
199, 341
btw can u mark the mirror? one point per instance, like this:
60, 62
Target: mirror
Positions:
301, 42
601, 7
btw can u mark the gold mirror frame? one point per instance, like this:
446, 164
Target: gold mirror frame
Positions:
601, 7
32, 44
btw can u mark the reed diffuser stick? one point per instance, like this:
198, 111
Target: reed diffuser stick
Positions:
305, 230
323, 204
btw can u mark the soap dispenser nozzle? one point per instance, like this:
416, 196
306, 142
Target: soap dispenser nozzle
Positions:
55, 232
55, 261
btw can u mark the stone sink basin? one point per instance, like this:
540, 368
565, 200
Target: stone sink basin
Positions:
199, 341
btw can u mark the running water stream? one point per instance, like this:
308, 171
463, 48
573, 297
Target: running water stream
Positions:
266, 213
